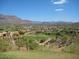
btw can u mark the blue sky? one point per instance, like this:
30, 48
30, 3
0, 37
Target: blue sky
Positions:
42, 10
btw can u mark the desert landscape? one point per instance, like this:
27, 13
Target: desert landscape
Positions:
23, 40
39, 29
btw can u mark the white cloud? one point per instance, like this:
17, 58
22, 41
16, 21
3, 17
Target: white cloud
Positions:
60, 9
60, 2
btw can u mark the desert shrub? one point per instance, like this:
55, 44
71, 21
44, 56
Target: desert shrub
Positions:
30, 41
4, 45
73, 48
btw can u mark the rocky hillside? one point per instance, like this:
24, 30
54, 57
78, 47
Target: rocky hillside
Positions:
5, 19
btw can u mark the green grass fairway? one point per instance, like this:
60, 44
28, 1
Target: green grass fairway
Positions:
37, 55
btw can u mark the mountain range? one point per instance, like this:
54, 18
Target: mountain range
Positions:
8, 19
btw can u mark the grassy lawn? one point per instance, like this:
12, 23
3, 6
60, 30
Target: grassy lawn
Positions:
37, 55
